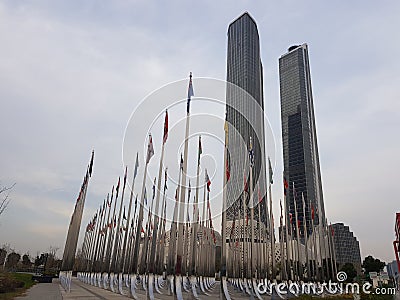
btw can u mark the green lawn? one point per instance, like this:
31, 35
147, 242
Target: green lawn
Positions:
25, 281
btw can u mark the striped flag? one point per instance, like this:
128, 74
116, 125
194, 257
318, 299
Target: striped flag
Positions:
208, 181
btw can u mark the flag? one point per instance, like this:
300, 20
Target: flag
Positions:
117, 188
200, 151
190, 93
145, 196
165, 127
166, 178
136, 165
124, 216
142, 230
332, 230
271, 174
259, 195
312, 211
290, 217
112, 193
251, 153
126, 171
227, 169
181, 165
285, 185
150, 149
208, 181
91, 164
189, 190
154, 188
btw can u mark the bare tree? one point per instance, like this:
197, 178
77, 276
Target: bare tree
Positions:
4, 197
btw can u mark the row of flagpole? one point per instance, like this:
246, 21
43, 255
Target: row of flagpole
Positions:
118, 243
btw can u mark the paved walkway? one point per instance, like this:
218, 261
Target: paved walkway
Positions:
43, 291
80, 290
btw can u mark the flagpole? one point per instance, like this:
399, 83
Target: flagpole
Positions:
151, 265
114, 264
224, 289
193, 242
106, 237
251, 212
178, 266
123, 261
150, 153
297, 234
305, 236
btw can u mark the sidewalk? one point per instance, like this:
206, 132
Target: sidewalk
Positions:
43, 291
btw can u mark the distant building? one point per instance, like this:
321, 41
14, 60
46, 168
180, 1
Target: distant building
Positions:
347, 247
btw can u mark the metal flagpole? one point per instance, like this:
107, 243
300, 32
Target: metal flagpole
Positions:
106, 235
114, 264
297, 234
150, 153
151, 264
251, 153
178, 264
111, 240
305, 236
272, 233
224, 288
193, 242
123, 260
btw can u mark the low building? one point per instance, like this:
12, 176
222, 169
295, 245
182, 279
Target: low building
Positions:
347, 247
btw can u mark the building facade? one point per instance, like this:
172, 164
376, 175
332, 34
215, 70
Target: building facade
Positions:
300, 149
244, 114
347, 247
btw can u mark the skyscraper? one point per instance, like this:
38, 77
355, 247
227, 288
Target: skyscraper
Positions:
299, 137
244, 113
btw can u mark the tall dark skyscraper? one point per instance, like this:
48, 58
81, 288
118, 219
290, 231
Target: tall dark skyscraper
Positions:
299, 136
244, 112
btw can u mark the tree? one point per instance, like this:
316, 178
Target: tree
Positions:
3, 255
12, 260
4, 197
371, 264
350, 271
26, 261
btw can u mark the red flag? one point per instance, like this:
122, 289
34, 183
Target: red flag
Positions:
165, 127
208, 181
259, 195
312, 211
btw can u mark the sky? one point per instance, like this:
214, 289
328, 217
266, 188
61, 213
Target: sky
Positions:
73, 73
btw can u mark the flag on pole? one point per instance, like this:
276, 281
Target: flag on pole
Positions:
259, 195
190, 93
91, 164
246, 185
251, 153
227, 168
181, 165
124, 216
136, 165
145, 196
166, 178
117, 188
154, 188
312, 211
208, 181
271, 174
165, 127
150, 149
126, 171
285, 185
200, 151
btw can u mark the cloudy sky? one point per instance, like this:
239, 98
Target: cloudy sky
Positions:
73, 72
